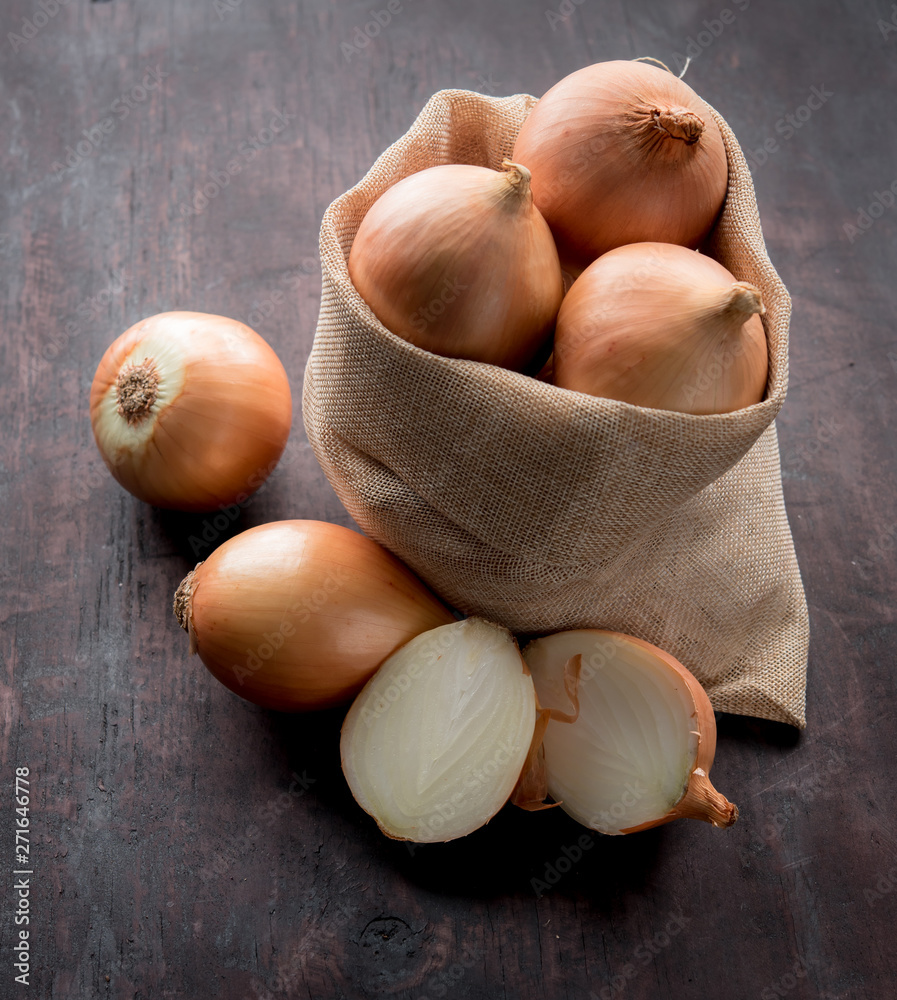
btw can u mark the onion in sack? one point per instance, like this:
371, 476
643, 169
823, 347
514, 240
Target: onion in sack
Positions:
623, 152
435, 744
660, 326
639, 752
190, 411
456, 260
297, 615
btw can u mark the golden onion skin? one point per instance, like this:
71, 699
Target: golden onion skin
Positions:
664, 327
456, 260
297, 615
216, 419
623, 152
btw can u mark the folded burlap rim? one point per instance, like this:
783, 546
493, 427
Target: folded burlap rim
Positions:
544, 509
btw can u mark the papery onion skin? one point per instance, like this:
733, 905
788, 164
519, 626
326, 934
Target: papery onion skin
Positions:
699, 799
457, 260
437, 741
297, 615
190, 411
660, 326
623, 152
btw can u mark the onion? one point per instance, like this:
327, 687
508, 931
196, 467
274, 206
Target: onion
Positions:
623, 152
456, 260
297, 615
434, 745
190, 411
664, 327
639, 752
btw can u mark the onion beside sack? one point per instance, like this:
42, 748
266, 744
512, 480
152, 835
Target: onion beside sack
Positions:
639, 751
297, 615
456, 723
435, 744
190, 411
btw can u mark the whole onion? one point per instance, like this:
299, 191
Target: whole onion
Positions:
623, 152
656, 325
190, 411
297, 615
458, 261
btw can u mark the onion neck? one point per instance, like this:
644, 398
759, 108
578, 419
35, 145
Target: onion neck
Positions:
700, 801
732, 309
703, 801
519, 180
137, 388
679, 123
742, 300
183, 606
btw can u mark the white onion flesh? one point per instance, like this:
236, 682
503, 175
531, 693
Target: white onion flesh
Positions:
435, 743
627, 761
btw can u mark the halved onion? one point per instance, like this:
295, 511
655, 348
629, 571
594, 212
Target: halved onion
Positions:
435, 743
641, 748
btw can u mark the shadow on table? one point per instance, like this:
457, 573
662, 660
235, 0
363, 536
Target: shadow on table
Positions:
196, 536
530, 853
517, 852
758, 732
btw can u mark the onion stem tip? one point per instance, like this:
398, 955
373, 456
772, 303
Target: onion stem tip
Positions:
183, 597
137, 387
680, 123
746, 298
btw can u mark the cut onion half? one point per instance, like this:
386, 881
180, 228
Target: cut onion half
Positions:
639, 752
435, 743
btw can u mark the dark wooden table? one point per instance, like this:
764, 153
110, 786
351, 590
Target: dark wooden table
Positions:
185, 843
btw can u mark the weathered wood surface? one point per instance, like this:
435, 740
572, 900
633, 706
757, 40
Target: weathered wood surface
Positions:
188, 844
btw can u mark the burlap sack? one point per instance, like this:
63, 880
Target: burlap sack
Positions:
544, 509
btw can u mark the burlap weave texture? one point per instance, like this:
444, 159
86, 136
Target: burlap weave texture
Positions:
544, 509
